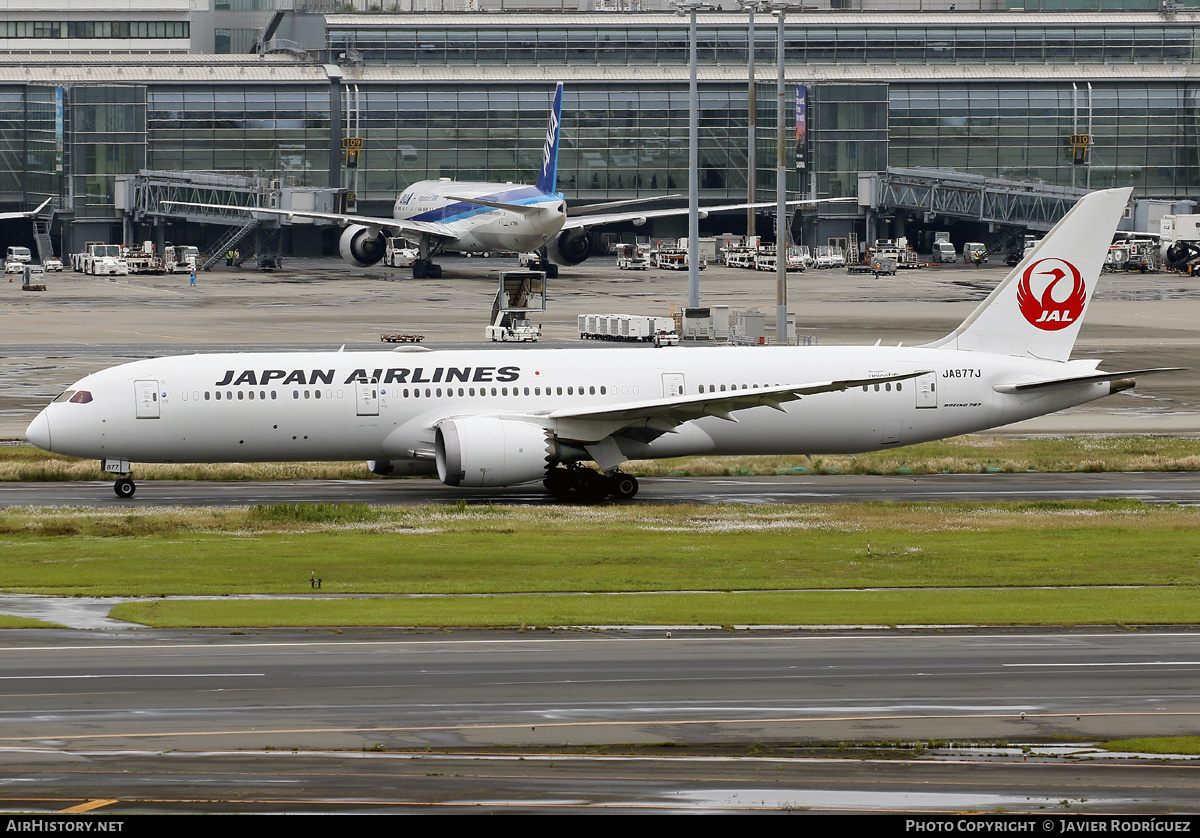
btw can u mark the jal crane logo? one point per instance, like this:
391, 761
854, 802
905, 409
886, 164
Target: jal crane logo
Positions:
1047, 312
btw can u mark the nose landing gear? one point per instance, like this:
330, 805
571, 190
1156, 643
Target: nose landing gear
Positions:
124, 487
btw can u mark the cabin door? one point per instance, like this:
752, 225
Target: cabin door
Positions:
145, 395
367, 398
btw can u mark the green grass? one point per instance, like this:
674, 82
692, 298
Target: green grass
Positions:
491, 549
823, 608
10, 622
1156, 745
959, 455
1011, 563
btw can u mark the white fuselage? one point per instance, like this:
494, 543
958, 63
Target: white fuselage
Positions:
481, 228
385, 405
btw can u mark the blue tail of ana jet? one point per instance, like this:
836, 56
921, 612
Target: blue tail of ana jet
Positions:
548, 175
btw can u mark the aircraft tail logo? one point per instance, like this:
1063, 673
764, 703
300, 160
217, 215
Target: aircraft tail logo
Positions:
548, 174
1037, 310
1046, 312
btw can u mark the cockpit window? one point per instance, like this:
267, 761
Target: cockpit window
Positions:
82, 397
64, 395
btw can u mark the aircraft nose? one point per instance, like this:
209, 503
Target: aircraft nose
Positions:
38, 431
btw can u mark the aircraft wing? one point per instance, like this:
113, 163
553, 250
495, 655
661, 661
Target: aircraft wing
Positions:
4, 216
663, 415
599, 218
415, 229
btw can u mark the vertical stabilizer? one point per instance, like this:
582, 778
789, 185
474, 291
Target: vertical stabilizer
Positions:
548, 175
1037, 310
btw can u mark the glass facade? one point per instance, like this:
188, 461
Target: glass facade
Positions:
809, 41
278, 130
904, 91
41, 29
1143, 134
108, 139
618, 141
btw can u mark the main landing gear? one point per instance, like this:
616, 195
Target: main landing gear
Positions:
124, 487
426, 269
588, 485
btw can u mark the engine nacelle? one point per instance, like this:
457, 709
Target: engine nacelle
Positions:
381, 467
1178, 254
484, 451
570, 247
361, 246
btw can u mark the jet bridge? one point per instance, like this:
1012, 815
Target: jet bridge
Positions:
955, 195
144, 198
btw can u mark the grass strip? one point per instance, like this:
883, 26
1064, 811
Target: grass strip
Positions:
10, 622
357, 549
1095, 606
1189, 745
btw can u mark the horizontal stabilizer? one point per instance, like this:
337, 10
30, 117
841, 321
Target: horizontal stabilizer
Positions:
531, 210
1098, 378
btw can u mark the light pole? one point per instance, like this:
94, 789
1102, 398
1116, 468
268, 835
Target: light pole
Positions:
751, 6
781, 335
691, 7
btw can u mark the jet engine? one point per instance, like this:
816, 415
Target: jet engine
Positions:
570, 247
484, 451
361, 246
1178, 254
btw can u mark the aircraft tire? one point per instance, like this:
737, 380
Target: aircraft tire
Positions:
623, 486
551, 270
420, 269
435, 271
557, 482
124, 488
592, 486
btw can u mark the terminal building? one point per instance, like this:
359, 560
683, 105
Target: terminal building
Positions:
105, 110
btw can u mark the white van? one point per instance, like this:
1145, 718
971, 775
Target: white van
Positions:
18, 254
944, 252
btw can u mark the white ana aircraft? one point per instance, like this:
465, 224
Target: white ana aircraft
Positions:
489, 417
448, 216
